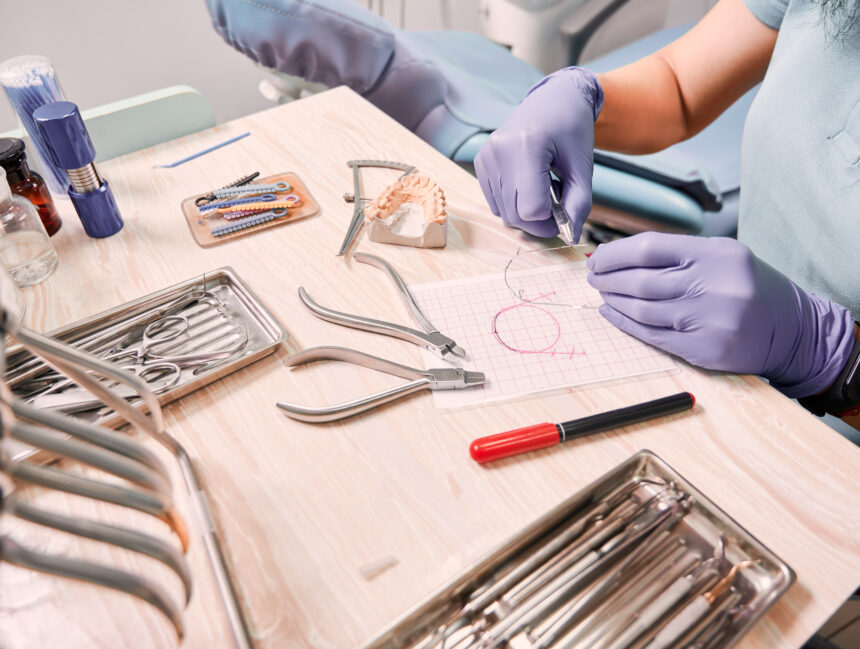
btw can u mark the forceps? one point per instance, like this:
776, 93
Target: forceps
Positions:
447, 378
431, 338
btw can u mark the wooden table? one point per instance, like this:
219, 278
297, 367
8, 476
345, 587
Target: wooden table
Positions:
304, 506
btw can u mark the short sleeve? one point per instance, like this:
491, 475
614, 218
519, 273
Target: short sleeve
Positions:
770, 12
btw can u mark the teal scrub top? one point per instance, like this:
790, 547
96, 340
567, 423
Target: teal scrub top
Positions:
800, 158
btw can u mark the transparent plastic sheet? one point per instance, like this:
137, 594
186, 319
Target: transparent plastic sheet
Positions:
533, 328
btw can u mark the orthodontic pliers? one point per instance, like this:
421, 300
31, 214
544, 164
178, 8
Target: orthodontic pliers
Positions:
445, 378
431, 338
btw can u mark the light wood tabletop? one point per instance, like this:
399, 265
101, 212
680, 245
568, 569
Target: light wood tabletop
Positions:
305, 507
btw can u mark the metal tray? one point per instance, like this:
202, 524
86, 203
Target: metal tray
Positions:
700, 528
265, 333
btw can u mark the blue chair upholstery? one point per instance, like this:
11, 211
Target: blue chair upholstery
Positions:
447, 86
455, 88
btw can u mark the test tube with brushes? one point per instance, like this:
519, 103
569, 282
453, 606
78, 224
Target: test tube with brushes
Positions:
30, 82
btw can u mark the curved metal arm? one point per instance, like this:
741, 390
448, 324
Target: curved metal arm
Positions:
142, 500
97, 435
369, 324
129, 539
346, 355
350, 408
94, 456
95, 574
381, 264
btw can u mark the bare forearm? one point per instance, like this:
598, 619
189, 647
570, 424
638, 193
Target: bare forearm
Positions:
642, 111
673, 94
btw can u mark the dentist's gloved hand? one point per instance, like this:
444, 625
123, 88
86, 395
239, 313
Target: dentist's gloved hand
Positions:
552, 127
713, 303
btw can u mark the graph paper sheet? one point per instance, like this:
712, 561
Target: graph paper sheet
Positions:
556, 339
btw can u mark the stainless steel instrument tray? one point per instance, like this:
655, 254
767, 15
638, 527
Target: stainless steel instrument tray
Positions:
265, 333
700, 528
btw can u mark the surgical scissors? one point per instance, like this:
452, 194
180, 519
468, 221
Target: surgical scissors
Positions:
175, 329
446, 378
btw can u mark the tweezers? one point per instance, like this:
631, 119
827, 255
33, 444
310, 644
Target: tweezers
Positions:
431, 338
559, 214
446, 378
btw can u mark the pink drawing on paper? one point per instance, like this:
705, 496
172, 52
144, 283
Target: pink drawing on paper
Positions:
544, 329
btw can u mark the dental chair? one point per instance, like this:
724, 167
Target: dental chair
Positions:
453, 89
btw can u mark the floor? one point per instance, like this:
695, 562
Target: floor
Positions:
843, 629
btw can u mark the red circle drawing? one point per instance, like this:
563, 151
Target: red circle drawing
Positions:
552, 322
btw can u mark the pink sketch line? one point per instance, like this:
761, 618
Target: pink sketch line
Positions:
549, 349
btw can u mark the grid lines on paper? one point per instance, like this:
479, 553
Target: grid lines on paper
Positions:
531, 334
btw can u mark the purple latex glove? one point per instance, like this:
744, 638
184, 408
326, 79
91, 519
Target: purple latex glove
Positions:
552, 127
713, 303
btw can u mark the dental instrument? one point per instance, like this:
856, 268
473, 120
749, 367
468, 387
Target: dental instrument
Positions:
247, 222
695, 610
446, 378
610, 568
431, 338
356, 198
244, 180
73, 363
210, 149
559, 214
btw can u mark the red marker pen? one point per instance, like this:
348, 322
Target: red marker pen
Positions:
531, 438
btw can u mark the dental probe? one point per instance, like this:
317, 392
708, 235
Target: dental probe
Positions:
695, 610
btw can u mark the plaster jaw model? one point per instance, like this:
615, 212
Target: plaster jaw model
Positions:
409, 212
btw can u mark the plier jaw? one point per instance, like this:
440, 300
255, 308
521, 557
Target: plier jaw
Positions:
454, 378
443, 346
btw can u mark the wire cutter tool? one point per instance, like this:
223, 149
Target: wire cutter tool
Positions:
446, 378
431, 338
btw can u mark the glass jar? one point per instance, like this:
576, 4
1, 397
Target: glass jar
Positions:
26, 183
11, 301
25, 248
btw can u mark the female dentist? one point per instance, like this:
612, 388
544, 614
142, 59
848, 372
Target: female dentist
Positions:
782, 300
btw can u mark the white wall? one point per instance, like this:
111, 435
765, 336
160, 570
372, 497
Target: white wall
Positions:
105, 50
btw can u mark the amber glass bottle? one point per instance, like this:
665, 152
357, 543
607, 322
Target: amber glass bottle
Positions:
27, 183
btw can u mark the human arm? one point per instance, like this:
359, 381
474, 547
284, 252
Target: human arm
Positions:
676, 92
648, 105
713, 303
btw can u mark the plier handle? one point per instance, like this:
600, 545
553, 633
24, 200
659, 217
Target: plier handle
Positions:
431, 338
445, 378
